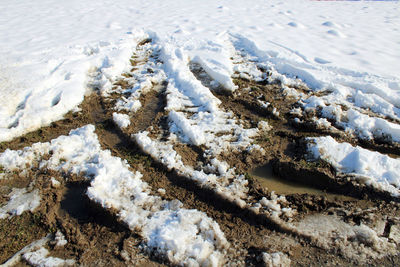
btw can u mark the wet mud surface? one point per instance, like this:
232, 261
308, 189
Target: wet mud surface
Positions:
97, 238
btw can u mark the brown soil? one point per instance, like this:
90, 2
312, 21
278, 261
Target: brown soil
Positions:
96, 237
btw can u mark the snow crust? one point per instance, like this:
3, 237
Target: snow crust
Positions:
20, 201
369, 167
48, 62
187, 237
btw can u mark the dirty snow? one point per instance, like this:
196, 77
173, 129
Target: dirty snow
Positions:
358, 242
20, 201
369, 167
40, 258
182, 236
143, 76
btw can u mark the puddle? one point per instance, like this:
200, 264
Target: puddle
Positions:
267, 178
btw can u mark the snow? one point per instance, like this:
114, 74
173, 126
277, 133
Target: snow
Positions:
122, 120
20, 201
358, 242
55, 183
36, 255
114, 186
356, 121
31, 247
145, 74
60, 239
52, 53
39, 258
276, 259
217, 176
369, 167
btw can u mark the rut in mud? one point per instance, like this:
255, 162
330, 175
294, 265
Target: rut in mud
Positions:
96, 236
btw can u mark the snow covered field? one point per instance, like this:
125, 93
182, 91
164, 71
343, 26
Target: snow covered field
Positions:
339, 61
48, 49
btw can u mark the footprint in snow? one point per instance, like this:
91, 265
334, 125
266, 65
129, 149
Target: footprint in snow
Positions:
295, 24
328, 24
321, 60
336, 33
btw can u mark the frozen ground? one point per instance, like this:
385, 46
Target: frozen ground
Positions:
169, 105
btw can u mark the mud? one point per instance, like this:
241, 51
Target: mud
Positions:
97, 238
266, 177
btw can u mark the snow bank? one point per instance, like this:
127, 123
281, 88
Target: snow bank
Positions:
371, 168
20, 201
182, 236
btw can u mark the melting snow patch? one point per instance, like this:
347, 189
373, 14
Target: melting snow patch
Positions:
182, 236
372, 168
60, 239
19, 202
40, 258
358, 242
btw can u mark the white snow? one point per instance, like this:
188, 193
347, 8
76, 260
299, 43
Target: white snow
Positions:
60, 239
20, 201
122, 120
356, 121
113, 185
51, 52
55, 183
369, 167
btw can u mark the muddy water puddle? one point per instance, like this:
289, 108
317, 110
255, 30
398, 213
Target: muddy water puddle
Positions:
267, 178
